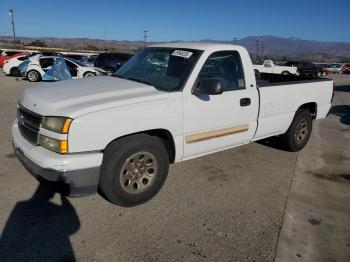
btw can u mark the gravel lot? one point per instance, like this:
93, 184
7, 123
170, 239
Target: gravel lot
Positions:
228, 206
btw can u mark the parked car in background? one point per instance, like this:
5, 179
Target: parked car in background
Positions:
9, 52
4, 58
39, 65
49, 53
11, 66
268, 66
111, 62
91, 60
79, 58
306, 68
334, 68
345, 69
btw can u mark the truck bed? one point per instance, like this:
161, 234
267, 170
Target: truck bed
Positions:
281, 96
265, 79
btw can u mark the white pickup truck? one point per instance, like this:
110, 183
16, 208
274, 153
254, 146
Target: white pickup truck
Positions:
268, 66
169, 103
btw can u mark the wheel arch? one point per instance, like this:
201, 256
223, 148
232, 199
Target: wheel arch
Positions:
164, 134
85, 73
311, 107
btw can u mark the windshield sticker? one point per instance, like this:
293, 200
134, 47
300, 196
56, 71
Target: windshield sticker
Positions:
182, 53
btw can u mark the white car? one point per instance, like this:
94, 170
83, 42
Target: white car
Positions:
270, 67
11, 66
39, 65
120, 133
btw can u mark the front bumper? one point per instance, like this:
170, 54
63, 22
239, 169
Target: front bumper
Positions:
78, 173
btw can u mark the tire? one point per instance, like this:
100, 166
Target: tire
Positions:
89, 74
299, 132
14, 71
318, 74
133, 170
285, 73
33, 76
297, 73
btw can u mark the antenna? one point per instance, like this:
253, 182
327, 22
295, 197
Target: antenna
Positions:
145, 36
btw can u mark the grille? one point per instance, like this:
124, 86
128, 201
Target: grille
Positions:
29, 124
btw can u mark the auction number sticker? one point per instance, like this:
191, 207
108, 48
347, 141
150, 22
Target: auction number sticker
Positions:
182, 53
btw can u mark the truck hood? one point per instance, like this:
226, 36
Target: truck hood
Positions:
73, 98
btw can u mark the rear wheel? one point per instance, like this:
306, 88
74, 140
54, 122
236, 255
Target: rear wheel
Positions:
134, 169
299, 132
285, 73
14, 71
33, 76
89, 74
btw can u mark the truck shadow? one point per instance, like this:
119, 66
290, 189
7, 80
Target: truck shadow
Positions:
39, 230
342, 88
343, 111
273, 142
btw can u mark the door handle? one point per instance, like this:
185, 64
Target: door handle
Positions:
245, 101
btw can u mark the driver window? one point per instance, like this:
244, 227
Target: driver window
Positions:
72, 68
46, 62
225, 66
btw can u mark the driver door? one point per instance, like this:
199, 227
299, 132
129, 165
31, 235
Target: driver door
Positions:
216, 122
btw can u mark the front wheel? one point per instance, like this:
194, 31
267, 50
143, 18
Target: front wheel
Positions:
134, 169
285, 73
299, 132
33, 76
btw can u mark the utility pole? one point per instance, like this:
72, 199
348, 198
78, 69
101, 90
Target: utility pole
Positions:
105, 37
262, 51
257, 49
13, 25
235, 40
145, 36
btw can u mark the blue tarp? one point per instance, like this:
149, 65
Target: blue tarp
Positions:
58, 71
22, 67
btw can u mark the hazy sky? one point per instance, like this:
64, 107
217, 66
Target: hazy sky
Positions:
324, 20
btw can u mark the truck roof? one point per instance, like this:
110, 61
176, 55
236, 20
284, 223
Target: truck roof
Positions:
199, 46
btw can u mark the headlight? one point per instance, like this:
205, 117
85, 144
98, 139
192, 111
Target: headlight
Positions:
57, 124
59, 146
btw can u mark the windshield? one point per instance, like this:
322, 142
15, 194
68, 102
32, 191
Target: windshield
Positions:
164, 68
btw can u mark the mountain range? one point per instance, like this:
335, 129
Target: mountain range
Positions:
268, 46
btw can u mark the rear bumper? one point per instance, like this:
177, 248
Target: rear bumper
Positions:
77, 173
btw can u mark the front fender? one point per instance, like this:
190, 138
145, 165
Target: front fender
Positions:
94, 131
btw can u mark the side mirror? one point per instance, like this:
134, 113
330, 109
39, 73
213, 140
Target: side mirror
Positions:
208, 87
